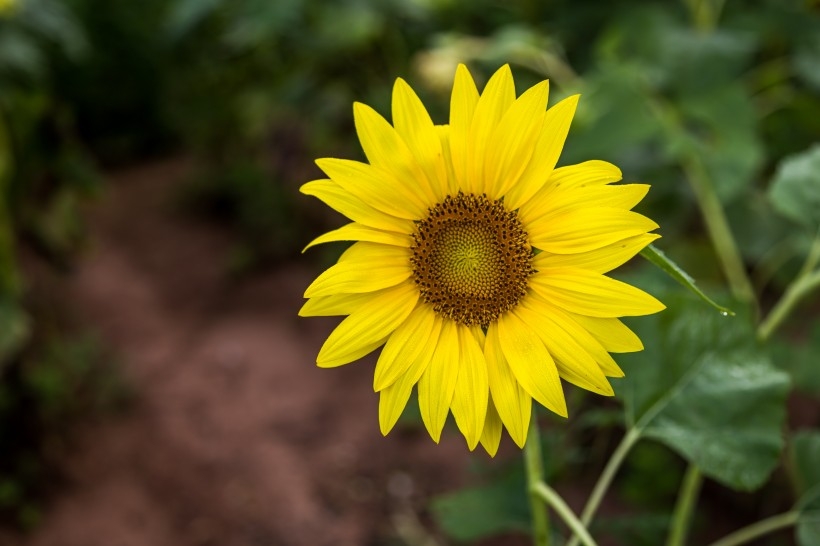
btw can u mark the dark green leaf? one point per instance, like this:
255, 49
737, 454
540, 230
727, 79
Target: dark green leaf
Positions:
806, 454
795, 190
704, 388
477, 512
721, 126
808, 524
658, 258
806, 60
615, 118
799, 359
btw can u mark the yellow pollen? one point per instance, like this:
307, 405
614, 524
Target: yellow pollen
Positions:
471, 259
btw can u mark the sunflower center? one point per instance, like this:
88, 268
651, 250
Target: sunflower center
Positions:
471, 259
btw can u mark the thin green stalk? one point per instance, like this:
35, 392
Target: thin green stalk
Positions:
801, 287
685, 506
807, 280
712, 210
757, 530
534, 462
718, 227
605, 480
553, 499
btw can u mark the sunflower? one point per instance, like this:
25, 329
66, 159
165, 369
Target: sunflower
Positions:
477, 264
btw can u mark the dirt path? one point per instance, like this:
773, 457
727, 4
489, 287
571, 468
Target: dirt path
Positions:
235, 437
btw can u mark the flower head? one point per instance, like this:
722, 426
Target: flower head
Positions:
478, 264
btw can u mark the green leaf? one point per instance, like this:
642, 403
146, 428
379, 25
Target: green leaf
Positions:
616, 118
806, 60
721, 126
805, 455
808, 523
799, 359
795, 190
477, 512
658, 258
501, 504
703, 387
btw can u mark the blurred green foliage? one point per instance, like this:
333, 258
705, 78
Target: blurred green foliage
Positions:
724, 92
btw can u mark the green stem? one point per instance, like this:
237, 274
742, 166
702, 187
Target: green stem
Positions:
534, 463
605, 480
553, 499
684, 506
713, 214
801, 287
757, 530
718, 227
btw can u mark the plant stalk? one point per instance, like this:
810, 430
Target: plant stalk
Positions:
605, 480
685, 506
553, 499
718, 227
794, 293
758, 529
534, 463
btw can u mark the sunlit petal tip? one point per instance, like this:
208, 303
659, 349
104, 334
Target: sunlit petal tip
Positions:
616, 372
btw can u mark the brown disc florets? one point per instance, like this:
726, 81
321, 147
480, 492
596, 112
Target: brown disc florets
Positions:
471, 259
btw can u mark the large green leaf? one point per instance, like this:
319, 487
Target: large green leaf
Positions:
806, 454
799, 359
477, 512
703, 387
500, 504
721, 132
795, 190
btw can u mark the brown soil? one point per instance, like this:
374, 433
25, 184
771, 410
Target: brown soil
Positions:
234, 436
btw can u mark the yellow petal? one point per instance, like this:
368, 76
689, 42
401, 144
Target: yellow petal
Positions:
463, 102
404, 345
494, 102
444, 137
574, 363
469, 402
585, 293
511, 400
623, 196
547, 151
491, 436
383, 266
479, 335
438, 383
393, 399
611, 333
368, 326
600, 260
386, 151
360, 232
375, 188
340, 200
588, 173
530, 362
584, 338
331, 306
415, 127
583, 229
513, 141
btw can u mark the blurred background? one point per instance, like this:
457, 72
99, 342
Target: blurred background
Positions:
156, 386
